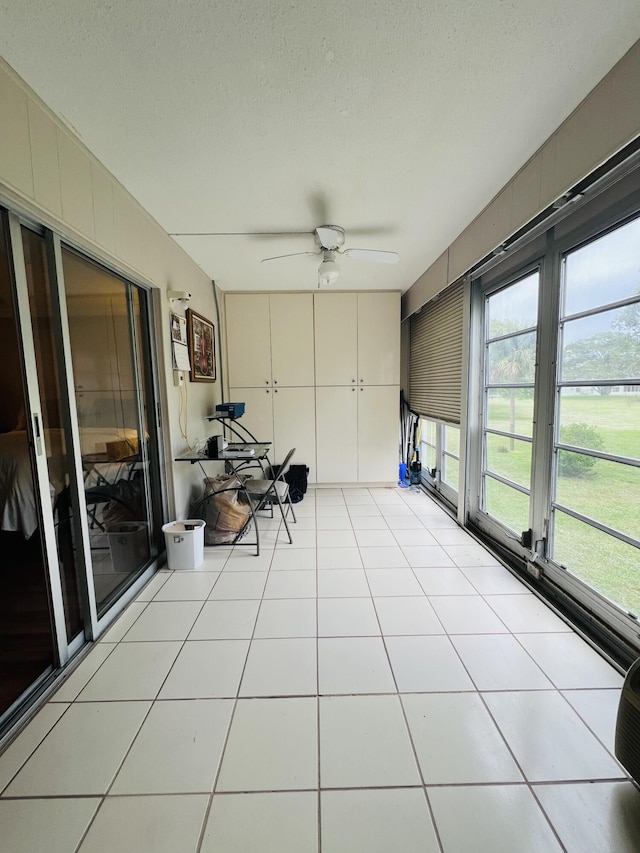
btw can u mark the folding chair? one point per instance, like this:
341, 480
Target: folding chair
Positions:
273, 491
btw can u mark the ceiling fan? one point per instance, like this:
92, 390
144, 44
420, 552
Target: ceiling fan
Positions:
329, 240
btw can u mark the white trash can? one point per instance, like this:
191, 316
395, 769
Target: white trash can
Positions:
185, 543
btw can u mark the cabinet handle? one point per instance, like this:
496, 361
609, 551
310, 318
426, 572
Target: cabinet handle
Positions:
353, 380
267, 390
362, 380
276, 391
362, 389
275, 381
267, 381
353, 389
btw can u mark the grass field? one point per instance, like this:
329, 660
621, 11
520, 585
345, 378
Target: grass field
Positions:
608, 492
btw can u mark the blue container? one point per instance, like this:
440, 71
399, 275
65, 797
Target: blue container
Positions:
402, 475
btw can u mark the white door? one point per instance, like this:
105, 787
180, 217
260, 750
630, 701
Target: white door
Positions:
292, 339
248, 340
379, 338
294, 422
258, 416
337, 434
378, 433
336, 329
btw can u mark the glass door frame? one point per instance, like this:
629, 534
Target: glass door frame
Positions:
93, 626
33, 410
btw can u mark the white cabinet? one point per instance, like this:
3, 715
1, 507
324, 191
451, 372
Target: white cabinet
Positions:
284, 416
337, 431
248, 340
294, 425
357, 434
336, 338
258, 416
357, 338
292, 360
378, 338
269, 339
320, 372
378, 433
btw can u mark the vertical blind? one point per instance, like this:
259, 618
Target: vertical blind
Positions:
435, 357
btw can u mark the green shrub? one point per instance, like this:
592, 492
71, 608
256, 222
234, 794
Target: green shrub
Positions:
580, 435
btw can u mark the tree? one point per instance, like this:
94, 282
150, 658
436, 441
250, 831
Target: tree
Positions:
512, 362
604, 356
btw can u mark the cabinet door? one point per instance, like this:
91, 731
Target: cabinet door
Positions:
292, 339
337, 434
258, 415
378, 433
336, 329
379, 338
294, 423
248, 340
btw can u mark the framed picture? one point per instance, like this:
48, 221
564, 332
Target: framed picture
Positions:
202, 347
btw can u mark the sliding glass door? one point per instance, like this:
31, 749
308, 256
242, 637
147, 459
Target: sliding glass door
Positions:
80, 478
114, 405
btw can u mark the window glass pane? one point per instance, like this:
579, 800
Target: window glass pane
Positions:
514, 308
428, 456
113, 427
429, 429
450, 471
610, 566
608, 492
603, 272
509, 458
603, 346
596, 420
511, 410
512, 360
452, 440
507, 505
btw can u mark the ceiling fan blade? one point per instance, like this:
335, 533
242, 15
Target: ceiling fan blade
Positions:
242, 234
372, 255
293, 255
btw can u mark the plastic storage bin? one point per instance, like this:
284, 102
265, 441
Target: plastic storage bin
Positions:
185, 543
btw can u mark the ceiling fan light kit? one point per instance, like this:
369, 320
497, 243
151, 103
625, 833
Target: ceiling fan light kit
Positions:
328, 271
329, 239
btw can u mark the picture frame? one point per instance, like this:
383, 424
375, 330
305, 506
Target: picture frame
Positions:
202, 347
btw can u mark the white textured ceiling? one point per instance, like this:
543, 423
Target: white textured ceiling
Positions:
401, 119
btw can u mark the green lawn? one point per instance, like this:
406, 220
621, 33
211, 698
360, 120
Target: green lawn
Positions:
608, 492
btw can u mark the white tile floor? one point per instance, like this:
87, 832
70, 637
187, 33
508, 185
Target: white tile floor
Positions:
383, 684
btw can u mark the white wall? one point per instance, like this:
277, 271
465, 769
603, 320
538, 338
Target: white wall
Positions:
46, 172
606, 121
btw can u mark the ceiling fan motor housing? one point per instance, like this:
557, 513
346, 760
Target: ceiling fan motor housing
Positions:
329, 237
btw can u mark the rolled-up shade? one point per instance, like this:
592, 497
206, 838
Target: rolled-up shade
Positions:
435, 353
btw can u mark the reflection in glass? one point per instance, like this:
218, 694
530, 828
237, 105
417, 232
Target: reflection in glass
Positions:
510, 410
509, 458
512, 361
602, 418
507, 505
513, 308
604, 271
610, 566
104, 323
26, 642
602, 346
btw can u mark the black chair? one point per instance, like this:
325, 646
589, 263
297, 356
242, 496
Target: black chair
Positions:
267, 492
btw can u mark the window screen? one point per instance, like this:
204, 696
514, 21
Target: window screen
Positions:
435, 360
